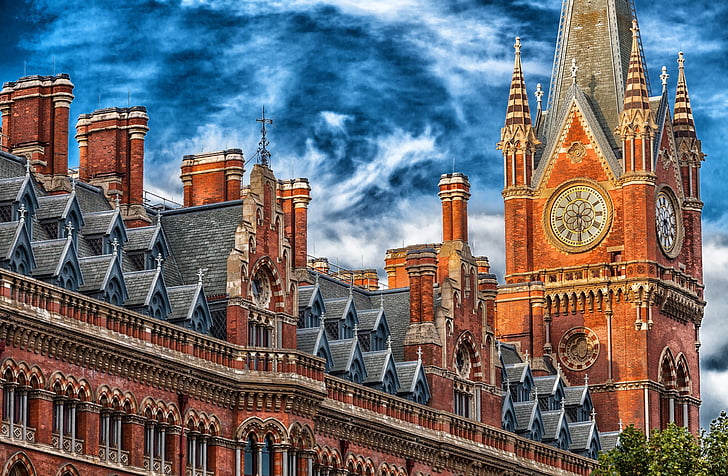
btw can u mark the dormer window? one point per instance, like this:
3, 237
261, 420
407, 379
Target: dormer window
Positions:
6, 213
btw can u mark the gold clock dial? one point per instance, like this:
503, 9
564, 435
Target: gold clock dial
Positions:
666, 222
579, 216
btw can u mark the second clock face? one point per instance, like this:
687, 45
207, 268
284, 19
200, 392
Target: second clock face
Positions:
579, 216
666, 222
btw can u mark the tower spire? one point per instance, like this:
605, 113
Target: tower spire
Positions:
518, 139
689, 149
263, 144
683, 118
636, 95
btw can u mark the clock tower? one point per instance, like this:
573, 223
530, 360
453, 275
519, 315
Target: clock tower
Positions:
602, 218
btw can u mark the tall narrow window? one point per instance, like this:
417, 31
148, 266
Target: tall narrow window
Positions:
250, 462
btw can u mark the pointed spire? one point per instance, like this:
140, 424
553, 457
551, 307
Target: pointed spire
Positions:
518, 111
683, 122
636, 95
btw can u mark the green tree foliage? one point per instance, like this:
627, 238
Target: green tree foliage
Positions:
673, 451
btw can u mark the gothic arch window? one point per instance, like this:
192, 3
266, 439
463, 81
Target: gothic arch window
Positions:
69, 277
250, 466
668, 379
19, 469
113, 293
16, 406
113, 415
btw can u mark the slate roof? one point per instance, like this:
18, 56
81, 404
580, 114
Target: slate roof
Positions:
342, 351
525, 412
396, 308
91, 199
517, 372
48, 255
368, 319
181, 298
376, 365
509, 355
335, 308
95, 269
546, 385
552, 421
52, 206
213, 225
140, 239
305, 296
407, 373
11, 165
138, 285
609, 440
98, 223
307, 339
8, 235
581, 433
574, 396
10, 188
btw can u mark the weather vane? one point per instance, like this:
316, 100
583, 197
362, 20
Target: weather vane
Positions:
262, 150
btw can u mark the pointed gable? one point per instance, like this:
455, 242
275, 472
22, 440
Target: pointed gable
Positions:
585, 439
189, 308
57, 262
16, 252
103, 279
311, 306
348, 360
145, 244
18, 198
381, 371
100, 230
55, 212
147, 293
413, 382
313, 340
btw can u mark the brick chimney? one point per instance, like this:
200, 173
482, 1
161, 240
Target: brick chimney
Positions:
294, 196
421, 265
111, 156
35, 125
212, 177
454, 193
320, 264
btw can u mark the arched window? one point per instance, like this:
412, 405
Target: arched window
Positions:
250, 462
19, 469
111, 430
267, 457
65, 422
155, 441
16, 407
198, 435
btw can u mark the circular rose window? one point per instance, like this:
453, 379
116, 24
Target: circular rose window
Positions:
579, 348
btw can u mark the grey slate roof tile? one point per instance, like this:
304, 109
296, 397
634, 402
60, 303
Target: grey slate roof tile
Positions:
552, 423
215, 226
580, 433
94, 270
98, 223
609, 440
305, 294
8, 234
52, 206
47, 256
138, 284
375, 363
342, 351
307, 338
407, 374
516, 372
10, 188
11, 165
91, 199
574, 396
524, 414
140, 239
547, 384
181, 299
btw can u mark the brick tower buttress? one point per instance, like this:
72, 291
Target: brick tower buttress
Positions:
35, 117
212, 177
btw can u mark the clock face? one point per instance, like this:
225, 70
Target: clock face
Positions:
579, 216
666, 222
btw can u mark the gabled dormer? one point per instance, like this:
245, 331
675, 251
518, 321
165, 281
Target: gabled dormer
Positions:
189, 307
57, 262
18, 198
381, 371
311, 306
556, 429
585, 439
104, 279
519, 379
58, 215
529, 420
578, 403
16, 252
550, 391
508, 413
100, 231
145, 244
148, 293
348, 360
341, 317
413, 382
313, 340
373, 329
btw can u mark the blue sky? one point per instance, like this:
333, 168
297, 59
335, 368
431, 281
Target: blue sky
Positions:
372, 100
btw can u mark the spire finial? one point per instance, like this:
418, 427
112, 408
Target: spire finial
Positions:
200, 275
419, 353
356, 330
574, 70
117, 202
586, 379
593, 414
539, 96
69, 229
664, 77
381, 302
159, 260
263, 144
620, 425
680, 60
322, 319
115, 246
535, 394
27, 167
389, 342
517, 46
558, 369
22, 211
527, 358
73, 184
498, 346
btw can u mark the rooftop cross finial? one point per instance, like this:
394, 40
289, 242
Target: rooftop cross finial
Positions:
574, 70
73, 184
526, 357
593, 414
263, 144
159, 260
419, 354
117, 201
115, 246
498, 346
563, 404
558, 369
539, 96
22, 211
27, 167
586, 379
663, 77
322, 319
69, 229
200, 275
389, 342
356, 330
620, 425
535, 394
